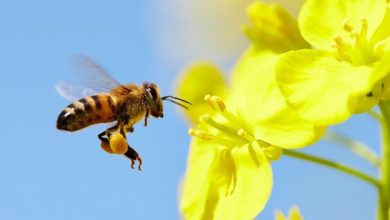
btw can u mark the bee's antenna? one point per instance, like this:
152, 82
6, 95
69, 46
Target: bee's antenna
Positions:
173, 97
169, 98
177, 103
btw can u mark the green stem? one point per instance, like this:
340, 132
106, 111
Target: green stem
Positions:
375, 115
384, 196
337, 166
356, 147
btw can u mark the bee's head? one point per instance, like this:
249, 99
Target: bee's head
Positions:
154, 99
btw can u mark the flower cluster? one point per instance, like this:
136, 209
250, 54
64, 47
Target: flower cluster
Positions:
293, 81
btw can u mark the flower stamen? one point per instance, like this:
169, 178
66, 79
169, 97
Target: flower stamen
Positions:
215, 102
219, 102
213, 105
225, 127
244, 134
354, 46
347, 26
219, 126
202, 134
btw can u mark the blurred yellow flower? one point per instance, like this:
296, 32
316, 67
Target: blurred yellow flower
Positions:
347, 72
199, 28
272, 27
208, 29
293, 214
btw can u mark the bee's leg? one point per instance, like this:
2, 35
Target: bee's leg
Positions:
146, 117
123, 131
102, 138
130, 129
133, 156
111, 129
107, 133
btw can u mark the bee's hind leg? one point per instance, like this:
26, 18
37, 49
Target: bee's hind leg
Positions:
133, 156
107, 133
125, 129
102, 138
130, 153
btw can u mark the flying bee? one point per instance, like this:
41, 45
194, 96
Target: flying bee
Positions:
124, 105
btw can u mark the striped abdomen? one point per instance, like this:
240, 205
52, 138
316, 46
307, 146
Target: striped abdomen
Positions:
87, 111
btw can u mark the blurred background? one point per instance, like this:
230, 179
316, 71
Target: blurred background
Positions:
49, 174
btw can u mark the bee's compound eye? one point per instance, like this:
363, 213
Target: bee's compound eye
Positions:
152, 92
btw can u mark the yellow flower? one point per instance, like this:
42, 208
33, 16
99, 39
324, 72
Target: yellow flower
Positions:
229, 174
239, 129
293, 214
347, 71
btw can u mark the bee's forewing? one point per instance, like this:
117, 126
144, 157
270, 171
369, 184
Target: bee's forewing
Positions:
94, 79
93, 75
73, 92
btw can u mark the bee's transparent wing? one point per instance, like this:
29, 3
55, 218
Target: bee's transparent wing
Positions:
93, 79
93, 75
73, 92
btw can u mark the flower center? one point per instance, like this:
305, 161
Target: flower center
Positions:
353, 44
229, 130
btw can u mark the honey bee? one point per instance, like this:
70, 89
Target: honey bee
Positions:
125, 105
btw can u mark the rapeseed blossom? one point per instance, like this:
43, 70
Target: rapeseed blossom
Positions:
238, 130
347, 70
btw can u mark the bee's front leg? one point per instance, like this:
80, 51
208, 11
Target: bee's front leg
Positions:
146, 117
133, 156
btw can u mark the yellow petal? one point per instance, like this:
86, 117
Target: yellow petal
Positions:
197, 192
198, 80
322, 89
279, 215
321, 20
386, 91
225, 184
364, 104
252, 184
294, 214
254, 92
257, 99
287, 130
383, 30
380, 78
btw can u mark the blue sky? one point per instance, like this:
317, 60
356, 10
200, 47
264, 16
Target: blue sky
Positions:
49, 174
